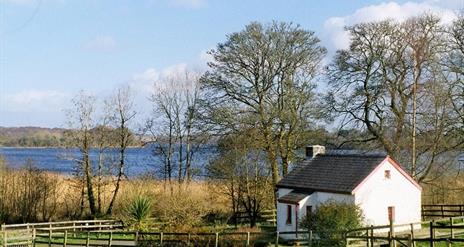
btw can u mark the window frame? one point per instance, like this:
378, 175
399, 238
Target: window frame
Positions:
289, 214
387, 174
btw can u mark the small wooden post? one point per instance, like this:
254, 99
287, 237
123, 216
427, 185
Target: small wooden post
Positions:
65, 241
442, 208
372, 236
310, 238
413, 244
189, 236
5, 238
368, 240
392, 241
136, 237
110, 240
248, 239
161, 239
432, 243
50, 237
87, 241
410, 240
216, 241
277, 239
34, 236
448, 243
451, 229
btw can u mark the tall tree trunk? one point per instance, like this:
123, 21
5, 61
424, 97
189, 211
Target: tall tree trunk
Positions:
89, 175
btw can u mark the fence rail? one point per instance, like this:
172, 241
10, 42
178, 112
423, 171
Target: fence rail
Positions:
65, 238
441, 211
448, 230
26, 234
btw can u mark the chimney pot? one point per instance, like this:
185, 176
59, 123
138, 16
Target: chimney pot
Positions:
314, 150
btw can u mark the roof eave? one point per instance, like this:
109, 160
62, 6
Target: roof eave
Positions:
313, 190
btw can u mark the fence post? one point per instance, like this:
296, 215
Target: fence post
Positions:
368, 240
248, 239
392, 241
451, 229
87, 241
413, 244
442, 208
188, 239
216, 241
372, 235
34, 235
409, 240
50, 237
5, 239
310, 238
110, 240
161, 239
277, 239
65, 241
432, 243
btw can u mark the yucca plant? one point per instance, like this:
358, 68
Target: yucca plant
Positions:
139, 211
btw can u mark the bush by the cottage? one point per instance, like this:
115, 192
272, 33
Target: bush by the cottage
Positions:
331, 219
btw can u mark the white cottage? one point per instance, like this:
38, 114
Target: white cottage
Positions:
376, 183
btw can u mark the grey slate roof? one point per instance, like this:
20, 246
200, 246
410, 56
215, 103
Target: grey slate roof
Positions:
293, 197
338, 173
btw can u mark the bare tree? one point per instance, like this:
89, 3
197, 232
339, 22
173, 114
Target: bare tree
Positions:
173, 125
81, 120
123, 115
241, 173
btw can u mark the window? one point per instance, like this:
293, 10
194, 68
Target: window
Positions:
289, 214
387, 174
309, 210
391, 214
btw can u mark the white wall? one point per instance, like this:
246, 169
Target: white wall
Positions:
377, 193
313, 200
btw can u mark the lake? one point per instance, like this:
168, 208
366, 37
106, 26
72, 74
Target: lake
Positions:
140, 161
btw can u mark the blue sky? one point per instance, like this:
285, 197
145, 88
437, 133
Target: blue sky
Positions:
50, 49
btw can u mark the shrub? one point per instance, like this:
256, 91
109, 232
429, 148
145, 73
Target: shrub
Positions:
181, 210
139, 210
331, 220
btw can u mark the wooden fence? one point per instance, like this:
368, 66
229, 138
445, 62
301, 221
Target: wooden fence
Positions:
449, 231
71, 237
430, 211
26, 234
266, 216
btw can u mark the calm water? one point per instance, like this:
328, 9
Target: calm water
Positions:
139, 161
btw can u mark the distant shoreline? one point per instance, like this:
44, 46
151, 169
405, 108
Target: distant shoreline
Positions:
20, 147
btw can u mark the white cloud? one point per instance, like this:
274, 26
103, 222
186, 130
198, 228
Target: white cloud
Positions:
151, 79
336, 37
101, 43
188, 3
35, 100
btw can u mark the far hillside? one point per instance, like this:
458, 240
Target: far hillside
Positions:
52, 137
31, 137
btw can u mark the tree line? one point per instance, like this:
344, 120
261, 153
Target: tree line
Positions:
269, 91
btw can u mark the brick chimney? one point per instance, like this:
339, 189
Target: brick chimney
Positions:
312, 151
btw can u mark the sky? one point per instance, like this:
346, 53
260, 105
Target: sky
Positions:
51, 49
